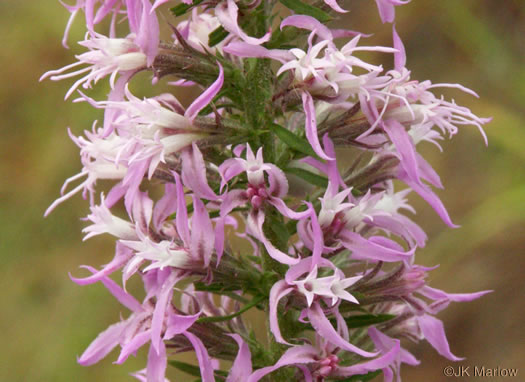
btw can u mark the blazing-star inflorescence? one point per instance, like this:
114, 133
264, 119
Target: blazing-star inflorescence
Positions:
328, 253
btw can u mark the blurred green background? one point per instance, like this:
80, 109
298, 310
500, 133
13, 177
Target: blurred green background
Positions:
47, 321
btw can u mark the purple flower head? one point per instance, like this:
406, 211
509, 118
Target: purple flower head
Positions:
321, 229
258, 194
110, 55
147, 323
106, 56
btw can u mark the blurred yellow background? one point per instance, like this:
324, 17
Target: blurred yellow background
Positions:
47, 320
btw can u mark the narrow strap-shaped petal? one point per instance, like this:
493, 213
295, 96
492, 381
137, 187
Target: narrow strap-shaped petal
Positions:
157, 363
165, 206
89, 10
142, 211
381, 362
163, 301
123, 297
427, 172
286, 211
404, 147
242, 49
311, 126
279, 290
242, 366
228, 13
149, 32
296, 355
181, 220
334, 176
333, 4
400, 57
232, 200
104, 10
178, 324
386, 11
370, 249
318, 238
132, 346
256, 222
103, 344
204, 359
202, 234
434, 333
122, 255
133, 12
431, 198
194, 173
277, 180
323, 327
230, 168
436, 294
308, 22
206, 97
401, 226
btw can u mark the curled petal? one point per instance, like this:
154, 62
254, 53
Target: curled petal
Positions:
206, 97
205, 362
122, 255
242, 366
294, 356
178, 324
434, 333
310, 23
381, 362
123, 297
279, 290
228, 15
431, 198
324, 328
376, 248
256, 225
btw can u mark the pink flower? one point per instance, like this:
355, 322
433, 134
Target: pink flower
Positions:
110, 55
147, 323
257, 195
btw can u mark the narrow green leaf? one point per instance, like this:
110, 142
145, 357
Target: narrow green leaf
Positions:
181, 9
303, 8
217, 36
186, 367
215, 287
292, 140
254, 302
364, 320
310, 177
